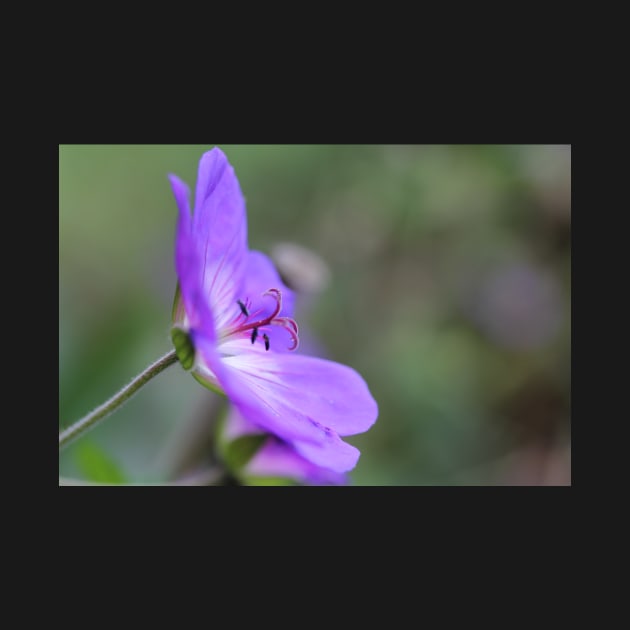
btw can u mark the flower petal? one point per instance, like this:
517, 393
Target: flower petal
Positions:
187, 261
181, 193
188, 264
335, 454
278, 459
260, 276
236, 425
210, 170
298, 398
220, 228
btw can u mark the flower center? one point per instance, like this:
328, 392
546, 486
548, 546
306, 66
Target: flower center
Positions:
254, 325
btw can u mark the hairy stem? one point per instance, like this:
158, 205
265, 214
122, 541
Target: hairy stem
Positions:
89, 421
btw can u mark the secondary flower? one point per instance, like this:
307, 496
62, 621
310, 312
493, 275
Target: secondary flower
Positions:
257, 458
233, 326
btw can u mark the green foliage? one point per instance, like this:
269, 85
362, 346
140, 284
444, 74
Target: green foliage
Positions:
267, 481
96, 465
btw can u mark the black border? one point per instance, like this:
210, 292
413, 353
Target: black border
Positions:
478, 107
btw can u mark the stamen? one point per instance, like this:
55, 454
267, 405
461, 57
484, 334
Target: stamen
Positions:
243, 322
291, 327
267, 320
278, 297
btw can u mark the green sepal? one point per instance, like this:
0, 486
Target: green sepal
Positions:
184, 348
238, 452
251, 480
207, 384
178, 312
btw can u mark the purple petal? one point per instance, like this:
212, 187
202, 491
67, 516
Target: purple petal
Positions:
277, 459
329, 394
187, 260
335, 453
188, 266
220, 228
300, 399
181, 193
211, 167
261, 275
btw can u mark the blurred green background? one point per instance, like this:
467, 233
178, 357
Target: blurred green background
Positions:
448, 287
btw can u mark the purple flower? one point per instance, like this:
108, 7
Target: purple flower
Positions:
233, 326
273, 459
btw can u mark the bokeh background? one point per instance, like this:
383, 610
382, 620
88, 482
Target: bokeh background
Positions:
442, 274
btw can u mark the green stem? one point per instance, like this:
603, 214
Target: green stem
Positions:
89, 421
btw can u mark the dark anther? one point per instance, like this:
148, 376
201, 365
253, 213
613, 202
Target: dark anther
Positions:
243, 309
255, 334
266, 341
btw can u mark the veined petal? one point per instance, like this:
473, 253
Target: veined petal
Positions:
330, 394
300, 399
209, 173
188, 265
220, 229
276, 458
334, 453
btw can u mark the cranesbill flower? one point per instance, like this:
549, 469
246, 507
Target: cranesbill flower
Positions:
233, 327
258, 458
